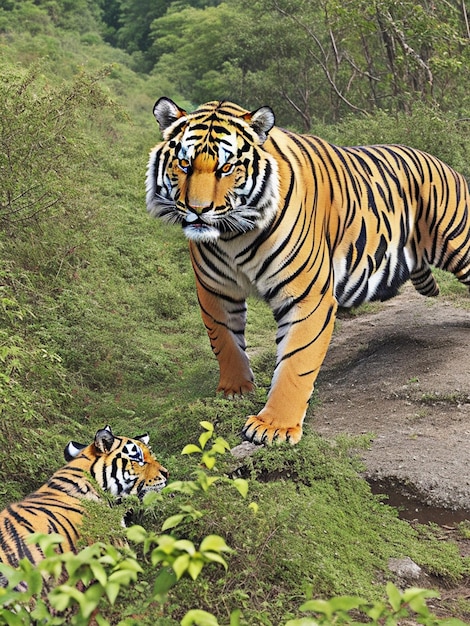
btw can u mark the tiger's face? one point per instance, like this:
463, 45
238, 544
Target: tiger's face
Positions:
211, 174
120, 465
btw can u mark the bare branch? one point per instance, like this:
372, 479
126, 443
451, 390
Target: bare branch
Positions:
407, 48
324, 55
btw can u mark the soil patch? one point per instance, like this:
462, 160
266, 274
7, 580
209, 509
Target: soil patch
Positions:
403, 374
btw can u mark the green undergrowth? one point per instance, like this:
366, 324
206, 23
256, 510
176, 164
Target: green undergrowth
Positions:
309, 528
304, 528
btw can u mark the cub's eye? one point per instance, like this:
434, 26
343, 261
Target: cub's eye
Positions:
227, 168
183, 164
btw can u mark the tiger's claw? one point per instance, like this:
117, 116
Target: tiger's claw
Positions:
260, 432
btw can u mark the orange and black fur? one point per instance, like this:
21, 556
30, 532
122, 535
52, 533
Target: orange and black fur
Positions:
118, 465
304, 224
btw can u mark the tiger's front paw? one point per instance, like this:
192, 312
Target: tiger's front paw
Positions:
261, 431
232, 388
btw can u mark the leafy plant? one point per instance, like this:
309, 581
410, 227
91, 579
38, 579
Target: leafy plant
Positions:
410, 603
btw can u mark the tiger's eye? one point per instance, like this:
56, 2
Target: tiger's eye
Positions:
226, 168
184, 164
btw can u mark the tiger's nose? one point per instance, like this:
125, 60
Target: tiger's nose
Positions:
197, 209
164, 472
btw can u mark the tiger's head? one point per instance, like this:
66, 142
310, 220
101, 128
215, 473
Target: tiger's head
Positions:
211, 173
120, 465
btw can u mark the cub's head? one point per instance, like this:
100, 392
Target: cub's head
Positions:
120, 465
211, 173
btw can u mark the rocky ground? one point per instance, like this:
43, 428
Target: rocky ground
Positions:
403, 374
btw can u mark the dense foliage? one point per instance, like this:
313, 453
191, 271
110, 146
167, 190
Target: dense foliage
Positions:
99, 321
316, 60
310, 60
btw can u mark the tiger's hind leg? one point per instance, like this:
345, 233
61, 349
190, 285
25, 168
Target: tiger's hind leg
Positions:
424, 281
456, 261
448, 244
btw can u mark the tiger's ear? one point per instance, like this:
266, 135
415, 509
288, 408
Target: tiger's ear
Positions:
72, 450
104, 439
261, 121
143, 438
166, 112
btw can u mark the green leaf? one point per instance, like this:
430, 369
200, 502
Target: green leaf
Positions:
416, 598
164, 582
394, 596
91, 599
112, 591
207, 426
221, 444
216, 558
303, 621
197, 617
214, 543
241, 485
186, 545
123, 576
318, 606
35, 582
172, 521
195, 566
40, 613
191, 448
208, 460
63, 596
131, 564
99, 572
10, 618
378, 609
204, 438
346, 603
151, 497
136, 533
180, 565
166, 543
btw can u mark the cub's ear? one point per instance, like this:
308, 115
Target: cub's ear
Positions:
72, 450
143, 438
166, 112
104, 439
261, 121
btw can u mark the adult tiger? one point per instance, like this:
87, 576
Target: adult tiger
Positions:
304, 224
118, 465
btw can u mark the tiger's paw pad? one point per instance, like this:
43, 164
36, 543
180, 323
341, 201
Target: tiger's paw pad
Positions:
234, 390
258, 431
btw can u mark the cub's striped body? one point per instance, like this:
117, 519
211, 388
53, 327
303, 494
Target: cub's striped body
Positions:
119, 465
304, 224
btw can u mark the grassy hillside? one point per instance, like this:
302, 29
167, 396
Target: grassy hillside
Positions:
100, 324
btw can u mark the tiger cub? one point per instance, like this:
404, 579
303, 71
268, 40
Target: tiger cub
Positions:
119, 465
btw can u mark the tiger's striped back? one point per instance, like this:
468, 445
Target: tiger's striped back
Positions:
389, 218
118, 465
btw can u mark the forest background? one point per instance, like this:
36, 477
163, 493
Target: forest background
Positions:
99, 317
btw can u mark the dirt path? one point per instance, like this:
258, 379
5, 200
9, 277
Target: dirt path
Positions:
403, 374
